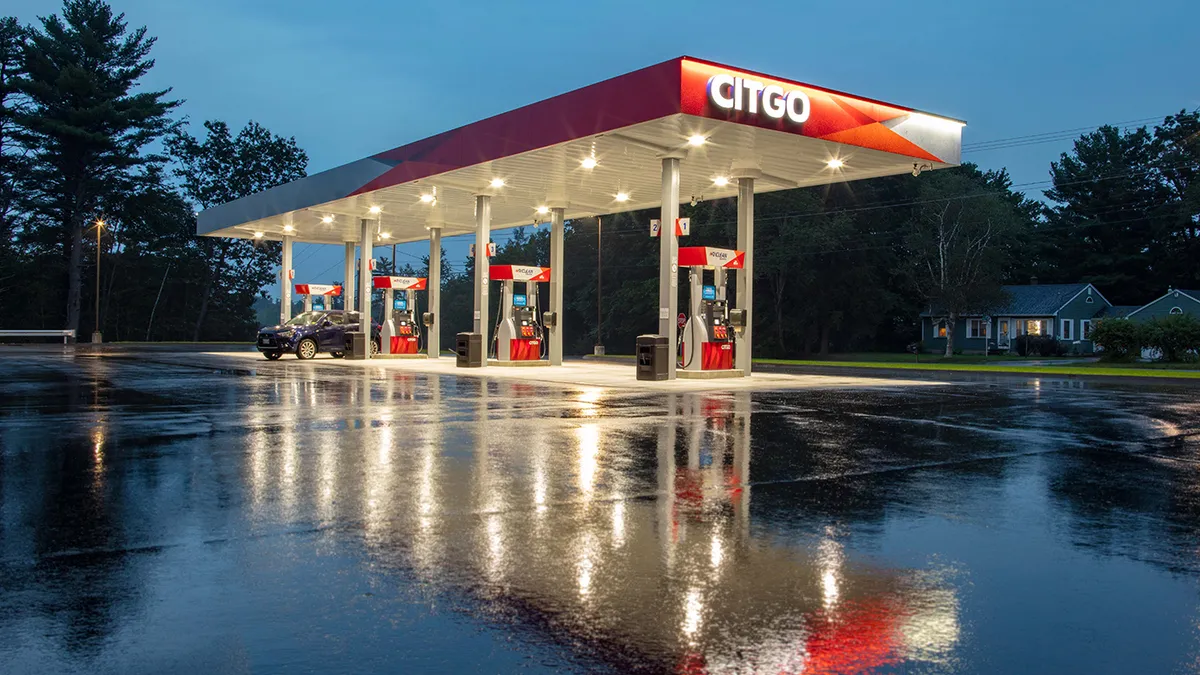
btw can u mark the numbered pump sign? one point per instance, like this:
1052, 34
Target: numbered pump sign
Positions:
491, 250
683, 227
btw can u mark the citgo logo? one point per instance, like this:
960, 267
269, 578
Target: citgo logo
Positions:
745, 95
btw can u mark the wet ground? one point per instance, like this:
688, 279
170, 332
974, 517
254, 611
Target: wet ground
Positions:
158, 514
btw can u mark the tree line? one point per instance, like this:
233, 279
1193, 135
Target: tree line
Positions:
842, 267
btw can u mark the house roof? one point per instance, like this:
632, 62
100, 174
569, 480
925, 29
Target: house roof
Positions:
1116, 311
1037, 299
1193, 295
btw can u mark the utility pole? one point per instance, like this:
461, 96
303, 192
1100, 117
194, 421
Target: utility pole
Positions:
96, 337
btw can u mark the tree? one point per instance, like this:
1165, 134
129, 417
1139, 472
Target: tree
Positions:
219, 169
1176, 161
14, 162
955, 244
1106, 226
85, 125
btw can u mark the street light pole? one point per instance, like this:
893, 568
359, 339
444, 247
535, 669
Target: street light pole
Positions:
96, 337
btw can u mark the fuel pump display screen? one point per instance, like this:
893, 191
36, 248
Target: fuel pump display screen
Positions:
519, 300
709, 293
400, 303
318, 304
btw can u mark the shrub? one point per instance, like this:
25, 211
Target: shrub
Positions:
1121, 339
1037, 345
1176, 337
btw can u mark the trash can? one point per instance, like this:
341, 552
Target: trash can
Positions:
652, 354
469, 348
356, 345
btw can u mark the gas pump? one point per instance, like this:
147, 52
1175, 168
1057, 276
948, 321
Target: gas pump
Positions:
707, 338
318, 297
519, 333
400, 333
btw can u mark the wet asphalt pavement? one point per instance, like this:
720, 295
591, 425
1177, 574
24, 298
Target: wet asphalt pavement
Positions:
160, 515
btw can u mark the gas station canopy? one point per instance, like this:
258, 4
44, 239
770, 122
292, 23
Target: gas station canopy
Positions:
598, 150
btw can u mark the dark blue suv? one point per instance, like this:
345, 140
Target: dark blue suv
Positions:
309, 333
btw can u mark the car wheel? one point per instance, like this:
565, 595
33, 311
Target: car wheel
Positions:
306, 349
273, 356
374, 347
337, 355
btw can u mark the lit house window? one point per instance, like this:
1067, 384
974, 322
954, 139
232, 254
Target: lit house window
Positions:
977, 328
1033, 327
941, 329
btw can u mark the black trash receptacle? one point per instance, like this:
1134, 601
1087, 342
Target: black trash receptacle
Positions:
356, 345
652, 354
469, 348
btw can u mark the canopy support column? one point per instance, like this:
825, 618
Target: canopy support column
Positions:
365, 250
285, 281
434, 292
745, 276
348, 276
557, 215
483, 235
668, 259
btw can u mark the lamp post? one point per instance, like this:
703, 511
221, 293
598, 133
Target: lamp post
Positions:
96, 337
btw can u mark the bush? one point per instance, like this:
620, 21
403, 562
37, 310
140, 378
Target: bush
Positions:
1037, 345
1121, 339
1176, 337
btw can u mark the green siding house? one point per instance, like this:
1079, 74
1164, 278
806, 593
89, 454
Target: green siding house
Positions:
1174, 302
1066, 311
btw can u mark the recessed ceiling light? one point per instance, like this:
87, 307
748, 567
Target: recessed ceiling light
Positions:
374, 210
497, 183
258, 235
385, 235
588, 163
622, 197
835, 163
427, 198
543, 210
720, 181
696, 140
288, 228
327, 219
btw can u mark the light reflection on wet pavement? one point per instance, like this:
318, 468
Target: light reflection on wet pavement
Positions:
158, 517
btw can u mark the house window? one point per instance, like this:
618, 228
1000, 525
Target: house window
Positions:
941, 329
1033, 327
977, 328
1004, 328
1089, 300
1085, 329
1068, 327
1177, 310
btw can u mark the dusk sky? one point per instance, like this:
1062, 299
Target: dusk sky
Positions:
351, 78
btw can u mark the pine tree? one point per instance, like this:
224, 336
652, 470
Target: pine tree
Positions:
87, 125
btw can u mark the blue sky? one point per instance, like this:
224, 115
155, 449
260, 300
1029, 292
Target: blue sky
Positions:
352, 78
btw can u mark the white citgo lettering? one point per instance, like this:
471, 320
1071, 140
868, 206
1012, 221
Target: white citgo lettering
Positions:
753, 89
798, 115
717, 85
772, 100
744, 95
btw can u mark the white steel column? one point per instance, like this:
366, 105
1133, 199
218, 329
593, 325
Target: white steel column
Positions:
365, 250
668, 259
348, 276
483, 235
745, 276
285, 279
556, 284
434, 292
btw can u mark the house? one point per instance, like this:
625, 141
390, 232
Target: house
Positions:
1065, 311
1174, 302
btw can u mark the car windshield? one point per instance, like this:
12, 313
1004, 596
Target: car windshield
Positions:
304, 319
